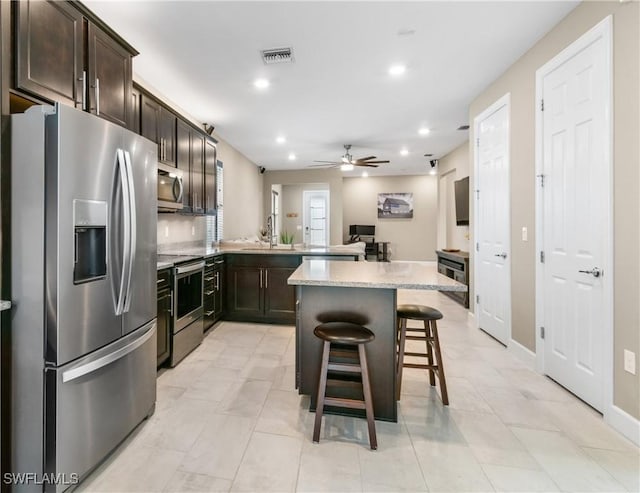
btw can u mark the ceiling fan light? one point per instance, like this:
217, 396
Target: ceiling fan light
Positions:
346, 167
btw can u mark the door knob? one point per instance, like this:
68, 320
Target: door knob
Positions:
595, 272
503, 255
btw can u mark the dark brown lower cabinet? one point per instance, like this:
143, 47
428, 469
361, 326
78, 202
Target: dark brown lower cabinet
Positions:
214, 282
257, 289
165, 318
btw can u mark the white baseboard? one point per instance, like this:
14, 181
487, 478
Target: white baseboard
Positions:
522, 353
624, 423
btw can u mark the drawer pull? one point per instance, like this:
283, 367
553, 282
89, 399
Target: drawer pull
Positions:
208, 314
210, 278
208, 293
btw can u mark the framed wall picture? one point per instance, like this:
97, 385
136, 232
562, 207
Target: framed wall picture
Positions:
395, 205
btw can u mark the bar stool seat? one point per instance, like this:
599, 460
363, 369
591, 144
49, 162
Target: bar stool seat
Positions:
344, 334
428, 334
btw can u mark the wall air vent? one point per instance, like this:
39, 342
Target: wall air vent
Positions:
463, 127
277, 55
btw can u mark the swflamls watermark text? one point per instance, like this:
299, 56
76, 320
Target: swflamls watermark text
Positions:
60, 478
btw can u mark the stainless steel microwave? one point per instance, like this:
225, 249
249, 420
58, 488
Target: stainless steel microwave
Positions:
170, 188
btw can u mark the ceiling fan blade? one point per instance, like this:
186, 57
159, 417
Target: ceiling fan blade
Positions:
366, 164
327, 165
365, 158
330, 162
369, 162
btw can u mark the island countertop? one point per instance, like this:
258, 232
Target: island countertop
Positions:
386, 275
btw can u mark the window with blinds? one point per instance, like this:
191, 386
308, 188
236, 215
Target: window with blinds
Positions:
215, 223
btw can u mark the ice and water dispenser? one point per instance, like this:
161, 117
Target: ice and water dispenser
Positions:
90, 240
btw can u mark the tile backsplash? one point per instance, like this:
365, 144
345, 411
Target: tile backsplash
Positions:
176, 228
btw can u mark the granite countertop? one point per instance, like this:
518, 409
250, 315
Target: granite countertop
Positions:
169, 256
4, 305
387, 275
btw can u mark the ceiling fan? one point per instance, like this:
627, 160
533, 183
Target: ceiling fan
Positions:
347, 161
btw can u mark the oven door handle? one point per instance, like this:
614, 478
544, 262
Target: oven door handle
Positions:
185, 269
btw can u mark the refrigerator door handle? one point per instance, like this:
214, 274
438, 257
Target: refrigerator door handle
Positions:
133, 237
126, 243
81, 371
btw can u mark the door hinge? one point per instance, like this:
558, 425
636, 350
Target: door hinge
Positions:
477, 247
541, 176
541, 332
542, 105
478, 298
541, 257
478, 142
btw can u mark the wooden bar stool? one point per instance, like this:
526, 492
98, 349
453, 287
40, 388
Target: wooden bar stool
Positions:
429, 334
344, 334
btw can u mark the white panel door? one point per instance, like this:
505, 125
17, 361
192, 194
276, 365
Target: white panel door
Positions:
493, 279
316, 217
575, 195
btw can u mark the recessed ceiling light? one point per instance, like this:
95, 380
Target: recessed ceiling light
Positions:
397, 70
365, 174
261, 83
346, 167
404, 152
424, 131
292, 156
281, 139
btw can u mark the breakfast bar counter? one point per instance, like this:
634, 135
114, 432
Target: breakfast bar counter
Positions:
364, 293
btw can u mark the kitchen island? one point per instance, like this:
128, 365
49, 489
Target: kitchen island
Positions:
364, 293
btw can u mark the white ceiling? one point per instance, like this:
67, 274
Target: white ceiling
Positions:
204, 56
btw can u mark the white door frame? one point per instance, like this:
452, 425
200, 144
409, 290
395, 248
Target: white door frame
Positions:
602, 30
305, 212
503, 101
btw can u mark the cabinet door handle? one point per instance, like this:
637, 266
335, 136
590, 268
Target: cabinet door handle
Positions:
266, 279
84, 90
97, 96
217, 281
260, 278
171, 303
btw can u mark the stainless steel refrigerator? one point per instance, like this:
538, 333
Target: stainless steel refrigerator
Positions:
83, 199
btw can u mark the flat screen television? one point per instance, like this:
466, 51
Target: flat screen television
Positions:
360, 230
461, 190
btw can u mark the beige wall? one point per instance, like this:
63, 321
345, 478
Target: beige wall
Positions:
332, 177
410, 239
243, 193
455, 166
519, 80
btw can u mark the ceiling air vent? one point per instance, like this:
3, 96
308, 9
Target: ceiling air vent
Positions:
463, 127
277, 55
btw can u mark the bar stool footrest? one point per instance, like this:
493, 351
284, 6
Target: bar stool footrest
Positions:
340, 402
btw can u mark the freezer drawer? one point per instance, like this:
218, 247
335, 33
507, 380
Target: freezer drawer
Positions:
186, 340
94, 403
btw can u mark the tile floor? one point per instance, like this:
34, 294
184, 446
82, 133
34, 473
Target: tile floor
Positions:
228, 418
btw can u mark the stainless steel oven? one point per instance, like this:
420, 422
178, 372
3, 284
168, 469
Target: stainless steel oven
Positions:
188, 324
170, 188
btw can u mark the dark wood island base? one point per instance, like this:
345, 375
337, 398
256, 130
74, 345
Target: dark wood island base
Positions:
373, 308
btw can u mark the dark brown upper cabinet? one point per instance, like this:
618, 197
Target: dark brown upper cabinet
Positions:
64, 54
183, 162
110, 79
190, 160
50, 51
134, 116
158, 124
210, 156
197, 171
